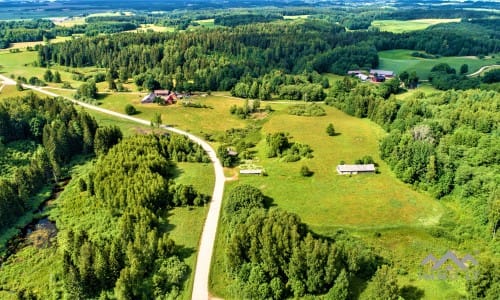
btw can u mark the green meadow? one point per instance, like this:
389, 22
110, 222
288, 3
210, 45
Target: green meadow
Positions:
398, 26
401, 60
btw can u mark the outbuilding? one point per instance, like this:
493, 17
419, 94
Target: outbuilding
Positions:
355, 169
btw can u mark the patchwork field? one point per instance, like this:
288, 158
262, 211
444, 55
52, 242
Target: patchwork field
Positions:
401, 60
397, 26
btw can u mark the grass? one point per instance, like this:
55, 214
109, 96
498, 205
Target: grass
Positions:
24, 45
326, 202
34, 270
187, 222
152, 27
207, 23
333, 200
397, 26
296, 17
401, 60
195, 120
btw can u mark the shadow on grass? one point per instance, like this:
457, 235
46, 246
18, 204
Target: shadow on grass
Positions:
269, 202
409, 292
175, 172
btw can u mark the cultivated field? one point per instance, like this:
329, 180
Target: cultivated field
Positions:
397, 26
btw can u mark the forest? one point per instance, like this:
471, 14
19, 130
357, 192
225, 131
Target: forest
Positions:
59, 132
446, 144
217, 59
130, 256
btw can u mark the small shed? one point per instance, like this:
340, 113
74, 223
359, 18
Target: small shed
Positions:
231, 152
361, 76
251, 172
355, 169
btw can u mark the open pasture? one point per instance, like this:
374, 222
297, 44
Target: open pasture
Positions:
398, 26
401, 60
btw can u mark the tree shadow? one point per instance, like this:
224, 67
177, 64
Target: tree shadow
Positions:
175, 172
269, 202
410, 292
184, 252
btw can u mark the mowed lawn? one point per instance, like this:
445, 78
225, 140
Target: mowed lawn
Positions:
398, 26
401, 60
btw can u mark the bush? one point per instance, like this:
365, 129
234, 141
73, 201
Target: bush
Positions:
244, 197
130, 109
305, 172
330, 130
312, 110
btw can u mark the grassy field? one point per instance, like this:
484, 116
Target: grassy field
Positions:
296, 17
377, 208
397, 26
208, 23
401, 60
196, 120
24, 45
187, 222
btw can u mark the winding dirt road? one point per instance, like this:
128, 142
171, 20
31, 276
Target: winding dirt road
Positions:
482, 69
205, 251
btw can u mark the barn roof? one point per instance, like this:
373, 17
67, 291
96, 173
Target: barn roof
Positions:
381, 72
356, 168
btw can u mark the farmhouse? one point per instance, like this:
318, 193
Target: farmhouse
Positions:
168, 96
355, 169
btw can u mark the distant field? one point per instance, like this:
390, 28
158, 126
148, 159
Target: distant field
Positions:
397, 26
296, 17
208, 23
401, 60
152, 27
58, 39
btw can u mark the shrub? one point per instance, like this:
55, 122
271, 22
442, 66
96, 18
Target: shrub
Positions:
330, 130
130, 109
305, 172
312, 110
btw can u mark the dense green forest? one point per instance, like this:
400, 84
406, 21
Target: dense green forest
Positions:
127, 254
59, 132
219, 58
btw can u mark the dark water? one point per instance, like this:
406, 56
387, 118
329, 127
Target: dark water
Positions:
38, 232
